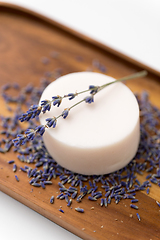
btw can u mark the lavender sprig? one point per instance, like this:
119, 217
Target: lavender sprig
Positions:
35, 110
45, 106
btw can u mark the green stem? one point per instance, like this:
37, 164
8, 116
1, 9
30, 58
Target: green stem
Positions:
129, 77
77, 104
135, 75
83, 91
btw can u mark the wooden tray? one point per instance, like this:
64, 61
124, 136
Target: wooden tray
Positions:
25, 37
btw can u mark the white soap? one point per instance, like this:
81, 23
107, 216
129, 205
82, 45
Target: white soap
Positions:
96, 138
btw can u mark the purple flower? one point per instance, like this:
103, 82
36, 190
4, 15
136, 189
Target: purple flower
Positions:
29, 88
33, 111
65, 113
20, 140
57, 100
40, 129
45, 60
46, 105
25, 117
51, 122
94, 89
102, 68
6, 87
30, 133
89, 99
71, 95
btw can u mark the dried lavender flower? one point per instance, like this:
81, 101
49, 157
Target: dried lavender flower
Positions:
30, 133
158, 203
51, 122
16, 178
71, 95
57, 100
65, 113
89, 99
94, 89
40, 129
52, 200
46, 105
138, 216
81, 210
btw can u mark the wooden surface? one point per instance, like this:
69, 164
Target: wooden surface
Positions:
24, 39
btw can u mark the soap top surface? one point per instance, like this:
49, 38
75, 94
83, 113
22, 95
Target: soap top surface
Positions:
106, 121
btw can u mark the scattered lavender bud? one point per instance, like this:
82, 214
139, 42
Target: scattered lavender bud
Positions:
47, 182
23, 169
79, 58
54, 54
133, 206
45, 60
14, 168
102, 202
61, 210
158, 203
52, 200
134, 200
102, 68
81, 210
69, 202
16, 178
36, 184
96, 63
105, 202
11, 161
138, 216
92, 198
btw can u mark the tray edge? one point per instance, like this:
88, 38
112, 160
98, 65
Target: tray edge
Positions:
80, 36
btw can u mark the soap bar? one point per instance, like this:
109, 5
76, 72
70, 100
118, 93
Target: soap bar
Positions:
96, 138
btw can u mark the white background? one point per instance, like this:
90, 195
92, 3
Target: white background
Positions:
131, 27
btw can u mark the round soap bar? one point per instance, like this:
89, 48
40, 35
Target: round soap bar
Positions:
96, 138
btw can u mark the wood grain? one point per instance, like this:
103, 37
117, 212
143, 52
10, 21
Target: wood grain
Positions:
25, 38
